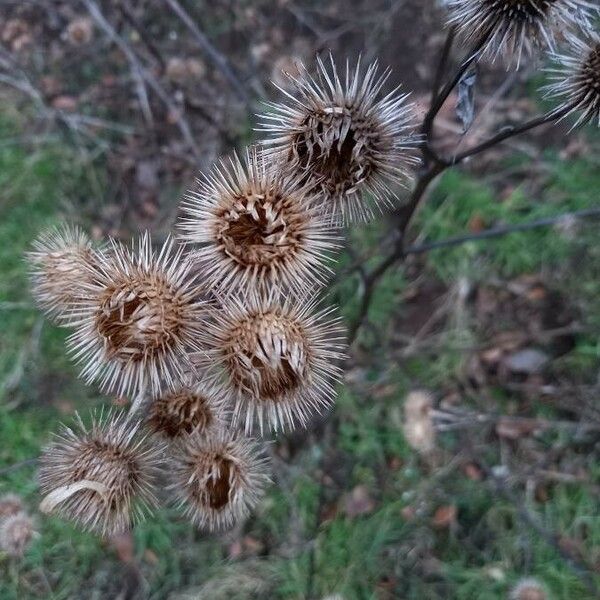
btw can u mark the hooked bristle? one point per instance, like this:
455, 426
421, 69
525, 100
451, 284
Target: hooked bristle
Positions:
100, 477
258, 227
342, 137
139, 320
218, 479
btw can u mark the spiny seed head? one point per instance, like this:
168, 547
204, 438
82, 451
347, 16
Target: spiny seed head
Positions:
139, 320
218, 479
100, 477
419, 429
529, 589
514, 28
61, 263
10, 504
278, 357
338, 134
199, 407
258, 228
16, 532
576, 80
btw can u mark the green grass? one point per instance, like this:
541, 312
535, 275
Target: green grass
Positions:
358, 557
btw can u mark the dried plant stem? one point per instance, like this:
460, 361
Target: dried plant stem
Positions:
434, 165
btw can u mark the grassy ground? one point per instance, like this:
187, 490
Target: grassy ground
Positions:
389, 545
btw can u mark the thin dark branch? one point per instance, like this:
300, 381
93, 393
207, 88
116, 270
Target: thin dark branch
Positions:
213, 54
443, 63
438, 101
505, 134
503, 230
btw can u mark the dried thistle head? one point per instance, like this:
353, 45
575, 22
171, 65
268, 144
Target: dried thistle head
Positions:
257, 227
529, 589
339, 134
100, 477
61, 263
577, 80
516, 28
16, 533
419, 429
278, 357
199, 407
10, 504
139, 319
218, 479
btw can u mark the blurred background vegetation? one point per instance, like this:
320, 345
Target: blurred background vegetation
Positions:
107, 112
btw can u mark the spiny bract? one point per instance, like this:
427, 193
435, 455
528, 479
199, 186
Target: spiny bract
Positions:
338, 134
138, 320
200, 407
218, 479
259, 228
100, 477
279, 358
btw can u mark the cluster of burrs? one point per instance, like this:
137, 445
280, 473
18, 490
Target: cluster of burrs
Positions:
219, 334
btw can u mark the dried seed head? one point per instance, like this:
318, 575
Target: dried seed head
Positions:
218, 479
529, 589
62, 262
339, 136
198, 408
257, 227
577, 80
279, 358
16, 532
514, 28
10, 504
419, 430
100, 477
139, 320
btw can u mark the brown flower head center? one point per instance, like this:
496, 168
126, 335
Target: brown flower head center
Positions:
212, 482
590, 72
139, 318
261, 228
337, 146
268, 356
219, 487
180, 413
109, 465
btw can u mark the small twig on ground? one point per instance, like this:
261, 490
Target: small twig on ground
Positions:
138, 68
504, 230
531, 520
213, 54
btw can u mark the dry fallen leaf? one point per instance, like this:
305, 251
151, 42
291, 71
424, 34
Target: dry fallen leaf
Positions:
444, 516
